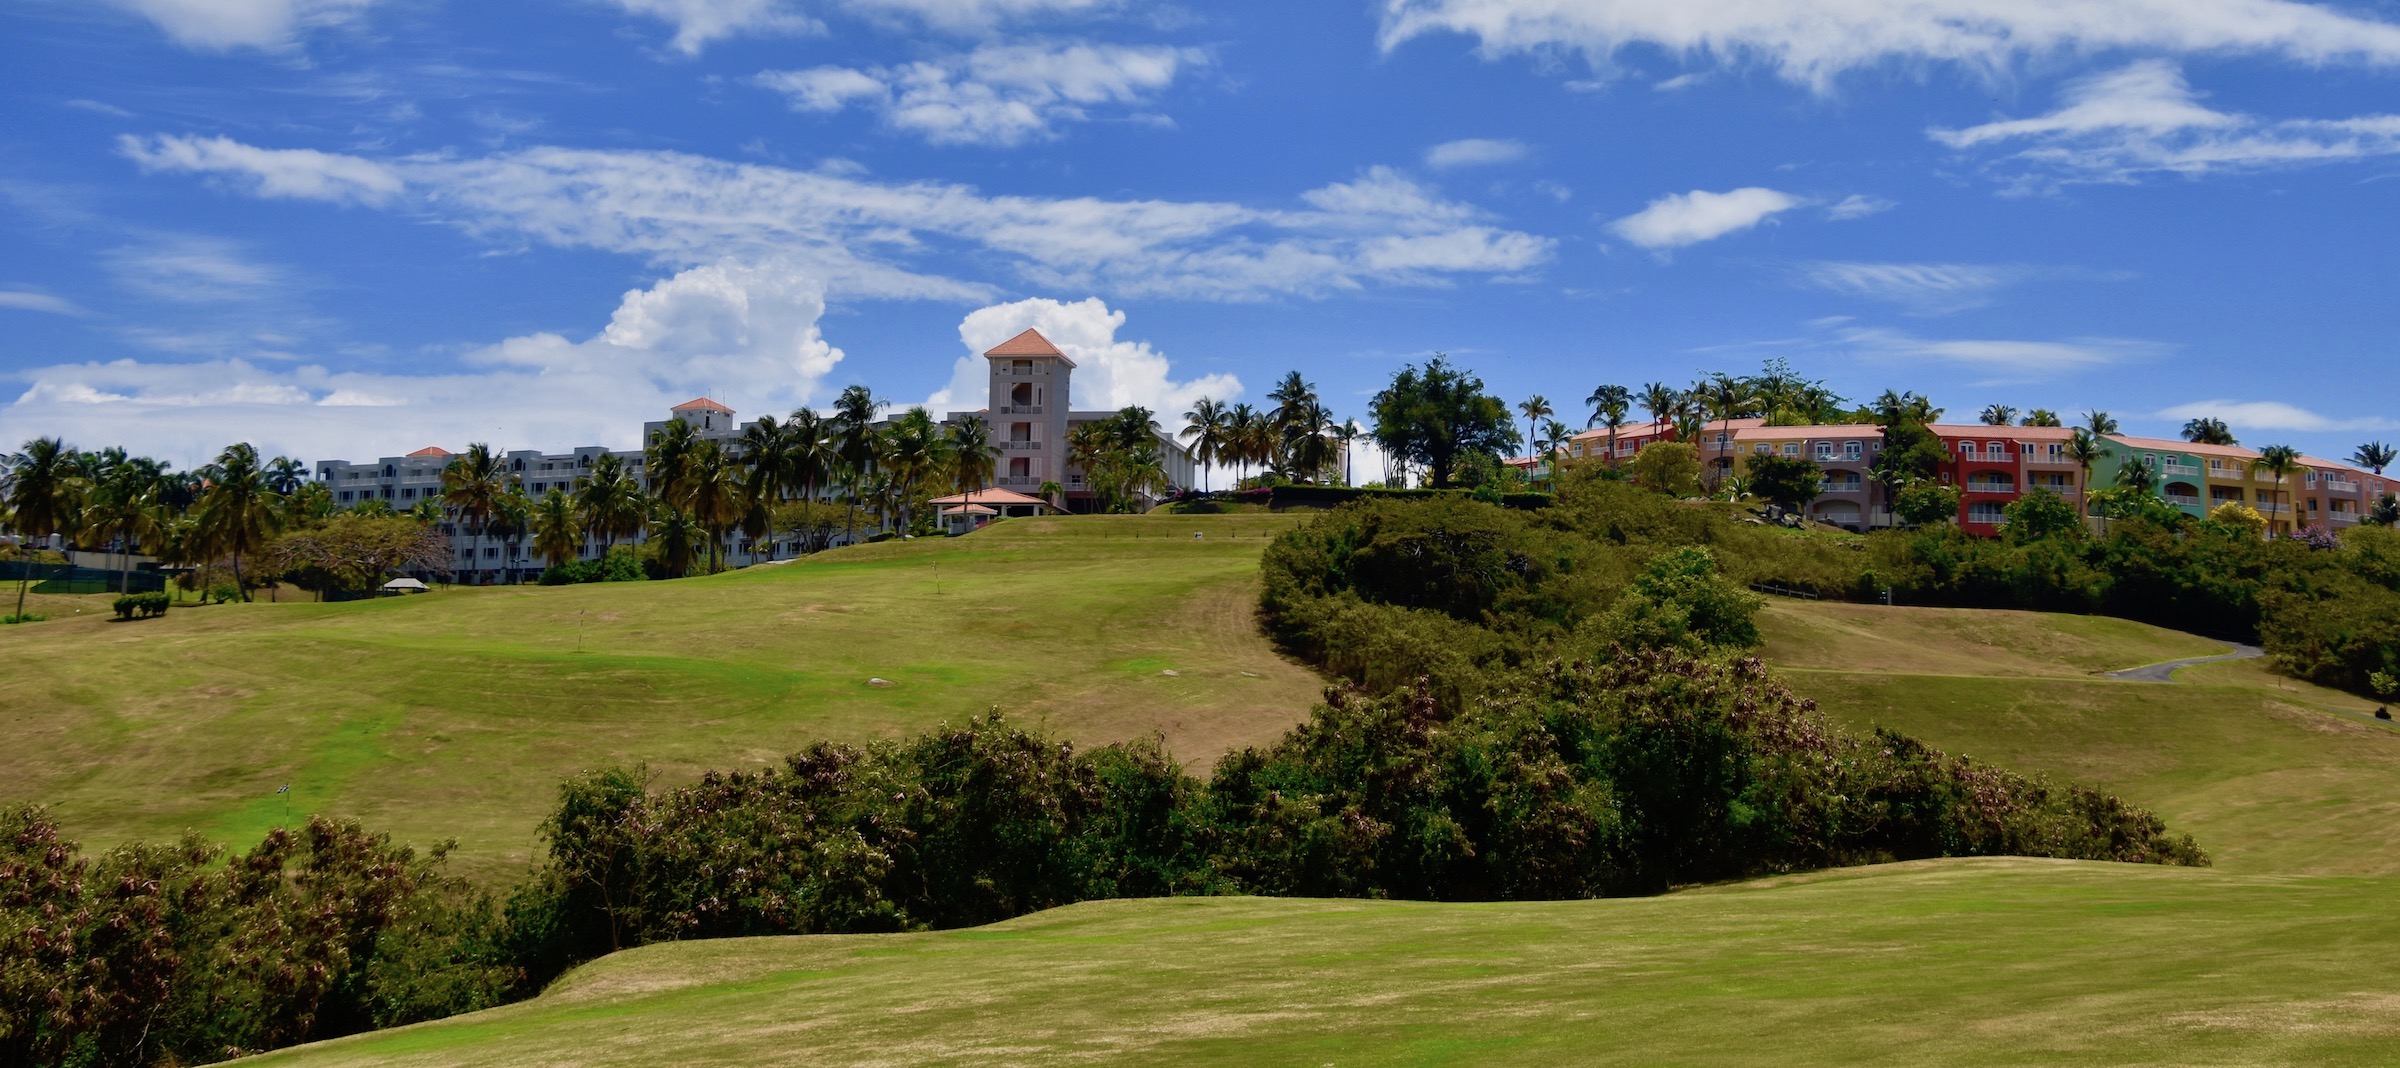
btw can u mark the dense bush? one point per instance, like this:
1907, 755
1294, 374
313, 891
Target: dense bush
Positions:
142, 605
167, 954
621, 564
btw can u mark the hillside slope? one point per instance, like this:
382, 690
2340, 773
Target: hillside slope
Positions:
456, 713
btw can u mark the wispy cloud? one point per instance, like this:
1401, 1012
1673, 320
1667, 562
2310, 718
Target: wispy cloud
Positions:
1858, 206
995, 95
1474, 152
192, 269
699, 23
1934, 288
2274, 415
2145, 119
1812, 41
869, 238
219, 25
1680, 219
2002, 360
23, 300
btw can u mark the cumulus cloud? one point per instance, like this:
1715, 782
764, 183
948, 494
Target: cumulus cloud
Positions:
297, 173
748, 330
1474, 152
23, 300
2273, 415
1680, 219
864, 237
1109, 373
994, 95
218, 25
1813, 41
2145, 119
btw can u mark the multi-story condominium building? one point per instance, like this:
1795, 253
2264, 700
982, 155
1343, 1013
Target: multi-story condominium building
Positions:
1849, 496
2198, 478
1992, 466
1029, 417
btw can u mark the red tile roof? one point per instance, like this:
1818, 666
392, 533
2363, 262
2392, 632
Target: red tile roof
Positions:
1029, 343
2227, 452
429, 451
701, 404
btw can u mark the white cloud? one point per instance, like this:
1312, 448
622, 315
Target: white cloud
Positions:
1859, 206
994, 95
1931, 287
23, 300
217, 25
969, 15
699, 22
2146, 119
1109, 373
2010, 360
1680, 219
1473, 152
2273, 415
746, 331
189, 269
299, 173
1812, 41
863, 237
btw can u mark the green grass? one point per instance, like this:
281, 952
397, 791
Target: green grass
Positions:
1997, 962
456, 713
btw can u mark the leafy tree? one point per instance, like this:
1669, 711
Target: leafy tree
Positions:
1926, 503
2234, 515
1682, 599
1430, 417
2383, 513
2208, 431
1668, 467
811, 524
355, 551
2374, 456
1788, 481
238, 513
2041, 514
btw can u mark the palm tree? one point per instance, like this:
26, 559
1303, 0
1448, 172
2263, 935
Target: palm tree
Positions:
2374, 456
2100, 423
1998, 415
473, 484
511, 521
2208, 431
914, 452
712, 494
677, 536
973, 457
1728, 398
41, 491
1293, 397
557, 528
2041, 417
611, 502
1308, 441
855, 443
2137, 475
238, 513
1663, 402
1348, 434
124, 510
285, 475
1534, 408
1611, 405
667, 457
812, 449
2281, 461
766, 453
1205, 427
1243, 426
2085, 449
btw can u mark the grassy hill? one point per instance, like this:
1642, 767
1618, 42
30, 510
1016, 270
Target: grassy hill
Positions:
456, 713
2280, 955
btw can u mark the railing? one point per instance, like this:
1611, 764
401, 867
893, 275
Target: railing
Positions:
2186, 470
2340, 485
1006, 481
2342, 518
2188, 499
2043, 459
2272, 509
1020, 409
1842, 487
1020, 446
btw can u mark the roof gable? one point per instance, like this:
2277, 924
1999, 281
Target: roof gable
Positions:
701, 404
1029, 343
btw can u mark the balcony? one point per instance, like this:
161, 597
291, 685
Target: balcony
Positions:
1018, 481
2272, 509
1020, 409
2184, 470
1010, 372
2040, 459
2339, 485
2188, 500
1841, 487
1020, 446
2342, 519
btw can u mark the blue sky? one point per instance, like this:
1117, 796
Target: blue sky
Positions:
355, 227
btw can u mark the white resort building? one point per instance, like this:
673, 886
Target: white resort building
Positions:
1029, 415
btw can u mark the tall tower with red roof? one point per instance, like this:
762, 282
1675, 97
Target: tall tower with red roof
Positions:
1029, 409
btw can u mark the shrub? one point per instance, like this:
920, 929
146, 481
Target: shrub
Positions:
1668, 467
142, 605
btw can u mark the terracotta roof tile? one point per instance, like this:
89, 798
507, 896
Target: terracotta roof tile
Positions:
701, 404
428, 452
1029, 343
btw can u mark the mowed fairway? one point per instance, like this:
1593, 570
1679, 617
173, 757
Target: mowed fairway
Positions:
2283, 954
456, 713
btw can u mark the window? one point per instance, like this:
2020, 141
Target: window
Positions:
1824, 450
1791, 449
1850, 450
1020, 367
2025, 449
409, 493
1762, 448
1967, 449
1986, 512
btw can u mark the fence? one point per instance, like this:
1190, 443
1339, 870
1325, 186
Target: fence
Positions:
67, 578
